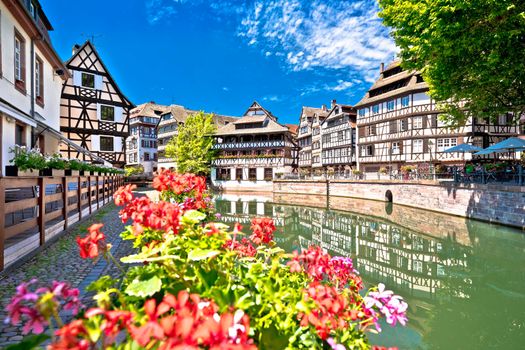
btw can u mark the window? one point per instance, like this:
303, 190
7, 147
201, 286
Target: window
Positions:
375, 109
106, 143
405, 101
268, 174
403, 124
395, 148
252, 174
146, 156
20, 59
368, 150
20, 135
107, 113
444, 144
390, 105
317, 131
417, 123
223, 174
371, 130
39, 81
340, 136
362, 112
238, 174
88, 80
417, 146
131, 158
418, 266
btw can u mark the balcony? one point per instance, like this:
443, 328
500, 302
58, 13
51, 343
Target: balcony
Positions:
253, 144
253, 160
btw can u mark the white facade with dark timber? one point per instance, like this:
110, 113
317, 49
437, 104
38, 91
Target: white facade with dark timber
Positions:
141, 145
398, 124
310, 121
253, 150
94, 112
338, 140
31, 77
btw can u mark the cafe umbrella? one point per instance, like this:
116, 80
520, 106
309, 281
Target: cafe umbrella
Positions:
463, 148
513, 144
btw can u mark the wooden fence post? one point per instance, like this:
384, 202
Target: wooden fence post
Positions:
79, 198
98, 191
42, 209
89, 192
2, 222
65, 201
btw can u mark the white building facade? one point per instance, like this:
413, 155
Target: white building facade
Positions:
31, 77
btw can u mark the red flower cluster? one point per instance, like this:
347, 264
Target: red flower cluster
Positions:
161, 215
94, 243
321, 266
187, 322
244, 247
37, 310
332, 310
263, 230
123, 195
262, 233
189, 189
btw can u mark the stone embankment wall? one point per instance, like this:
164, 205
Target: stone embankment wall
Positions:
493, 203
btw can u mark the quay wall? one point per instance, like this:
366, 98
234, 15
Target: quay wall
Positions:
493, 203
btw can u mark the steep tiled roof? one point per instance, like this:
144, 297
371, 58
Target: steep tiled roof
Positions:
271, 127
412, 85
311, 111
293, 128
149, 109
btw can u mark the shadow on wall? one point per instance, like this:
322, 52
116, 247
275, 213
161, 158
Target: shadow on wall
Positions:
498, 206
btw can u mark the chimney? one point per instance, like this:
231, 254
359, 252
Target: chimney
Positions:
333, 103
75, 49
382, 67
323, 107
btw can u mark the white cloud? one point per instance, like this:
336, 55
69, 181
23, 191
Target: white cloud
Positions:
272, 98
225, 88
329, 34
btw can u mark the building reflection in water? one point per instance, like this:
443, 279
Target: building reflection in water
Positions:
432, 259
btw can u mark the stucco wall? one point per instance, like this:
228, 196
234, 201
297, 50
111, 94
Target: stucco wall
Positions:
499, 204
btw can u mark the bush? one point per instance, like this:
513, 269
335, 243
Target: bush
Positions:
57, 162
383, 170
407, 168
134, 170
194, 283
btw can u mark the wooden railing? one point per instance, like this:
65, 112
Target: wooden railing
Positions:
35, 209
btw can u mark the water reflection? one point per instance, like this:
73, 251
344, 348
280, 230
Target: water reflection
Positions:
464, 280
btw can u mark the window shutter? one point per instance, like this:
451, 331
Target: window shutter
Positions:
434, 121
424, 121
425, 146
400, 147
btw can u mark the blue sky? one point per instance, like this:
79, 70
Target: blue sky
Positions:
219, 56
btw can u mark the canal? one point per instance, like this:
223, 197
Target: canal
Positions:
464, 280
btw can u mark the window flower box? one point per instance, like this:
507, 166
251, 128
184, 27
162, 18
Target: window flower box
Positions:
12, 170
52, 172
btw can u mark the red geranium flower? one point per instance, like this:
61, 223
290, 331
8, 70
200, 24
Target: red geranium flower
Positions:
95, 242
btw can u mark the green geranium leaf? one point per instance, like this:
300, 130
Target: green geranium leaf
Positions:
30, 342
193, 216
138, 258
198, 254
145, 288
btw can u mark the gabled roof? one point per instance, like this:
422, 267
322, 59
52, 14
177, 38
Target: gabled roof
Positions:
181, 113
88, 59
313, 111
271, 124
409, 78
149, 109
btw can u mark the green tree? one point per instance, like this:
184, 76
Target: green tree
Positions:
468, 51
192, 146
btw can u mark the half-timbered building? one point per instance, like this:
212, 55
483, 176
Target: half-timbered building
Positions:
31, 77
338, 140
253, 150
168, 128
398, 123
141, 145
94, 112
310, 120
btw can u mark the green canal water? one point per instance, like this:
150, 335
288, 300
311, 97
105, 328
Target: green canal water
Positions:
464, 280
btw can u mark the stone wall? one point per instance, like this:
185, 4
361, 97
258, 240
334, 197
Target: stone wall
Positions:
493, 203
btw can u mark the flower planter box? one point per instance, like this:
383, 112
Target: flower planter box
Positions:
12, 170
71, 172
52, 172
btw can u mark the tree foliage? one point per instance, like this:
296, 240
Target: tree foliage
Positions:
192, 146
468, 51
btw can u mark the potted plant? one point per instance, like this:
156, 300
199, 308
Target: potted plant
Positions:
383, 171
56, 166
27, 162
74, 167
357, 173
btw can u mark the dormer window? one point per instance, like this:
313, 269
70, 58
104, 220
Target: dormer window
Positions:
362, 112
88, 80
375, 109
